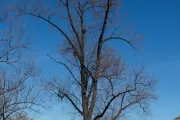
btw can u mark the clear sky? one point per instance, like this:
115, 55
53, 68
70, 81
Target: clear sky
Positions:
159, 22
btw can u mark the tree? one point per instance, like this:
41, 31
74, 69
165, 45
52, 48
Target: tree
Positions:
17, 93
21, 116
16, 96
11, 41
3, 15
100, 86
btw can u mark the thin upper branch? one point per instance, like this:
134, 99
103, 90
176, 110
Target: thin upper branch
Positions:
130, 42
57, 27
69, 70
75, 106
110, 101
72, 24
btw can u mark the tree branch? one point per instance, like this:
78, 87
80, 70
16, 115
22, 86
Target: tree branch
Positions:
131, 43
71, 101
99, 47
110, 101
54, 25
66, 68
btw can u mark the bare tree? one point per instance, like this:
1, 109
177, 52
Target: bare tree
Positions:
99, 86
11, 42
17, 92
21, 116
3, 15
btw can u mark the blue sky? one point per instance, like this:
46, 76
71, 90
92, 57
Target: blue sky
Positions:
159, 22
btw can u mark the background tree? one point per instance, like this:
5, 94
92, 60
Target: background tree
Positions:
21, 116
11, 42
100, 86
17, 92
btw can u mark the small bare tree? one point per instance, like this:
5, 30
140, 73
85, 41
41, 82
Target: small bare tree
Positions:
3, 15
10, 43
17, 92
21, 116
100, 86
